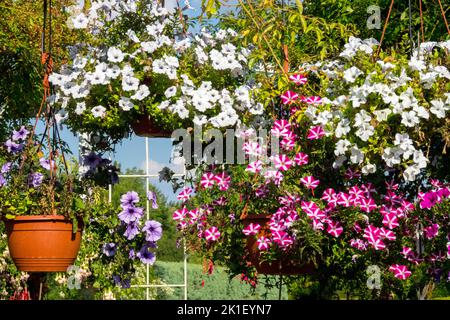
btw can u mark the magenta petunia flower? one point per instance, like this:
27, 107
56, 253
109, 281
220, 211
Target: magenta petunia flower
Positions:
251, 229
400, 271
185, 194
298, 79
207, 180
315, 133
289, 97
310, 182
301, 159
263, 243
282, 162
334, 228
180, 214
254, 167
212, 234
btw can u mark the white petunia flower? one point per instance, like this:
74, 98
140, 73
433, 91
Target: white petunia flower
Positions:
115, 55
80, 108
142, 93
342, 128
132, 36
438, 108
99, 112
200, 120
126, 104
130, 84
170, 92
410, 119
410, 173
339, 161
356, 156
256, 109
80, 21
341, 147
149, 46
382, 114
113, 72
368, 168
351, 74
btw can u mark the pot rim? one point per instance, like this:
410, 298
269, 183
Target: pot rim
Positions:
49, 217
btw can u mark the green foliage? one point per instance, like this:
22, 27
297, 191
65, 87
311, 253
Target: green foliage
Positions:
21, 70
217, 286
354, 12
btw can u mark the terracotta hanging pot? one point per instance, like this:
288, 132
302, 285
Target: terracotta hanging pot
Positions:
42, 243
283, 266
144, 126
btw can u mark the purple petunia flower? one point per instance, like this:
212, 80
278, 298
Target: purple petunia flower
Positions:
6, 167
2, 181
47, 164
20, 134
124, 283
109, 249
35, 179
132, 254
129, 199
13, 147
131, 231
153, 229
131, 214
151, 196
92, 160
146, 256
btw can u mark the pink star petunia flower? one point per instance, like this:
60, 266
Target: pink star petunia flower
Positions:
314, 100
254, 167
309, 182
335, 229
298, 78
212, 234
185, 194
289, 97
263, 243
180, 214
207, 180
390, 220
315, 133
387, 234
367, 205
251, 229
223, 181
400, 271
282, 162
301, 159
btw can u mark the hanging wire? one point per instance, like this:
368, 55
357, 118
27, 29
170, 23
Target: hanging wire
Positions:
421, 21
411, 39
443, 16
384, 29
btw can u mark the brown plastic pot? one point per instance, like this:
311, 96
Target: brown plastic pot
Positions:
144, 126
42, 243
284, 266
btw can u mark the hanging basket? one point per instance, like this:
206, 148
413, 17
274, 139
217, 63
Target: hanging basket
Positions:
144, 126
283, 266
42, 243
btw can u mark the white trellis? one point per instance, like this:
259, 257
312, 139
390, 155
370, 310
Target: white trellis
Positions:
147, 177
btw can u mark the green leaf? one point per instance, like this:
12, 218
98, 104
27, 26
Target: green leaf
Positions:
299, 6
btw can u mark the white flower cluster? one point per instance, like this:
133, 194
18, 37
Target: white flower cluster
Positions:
145, 54
379, 108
